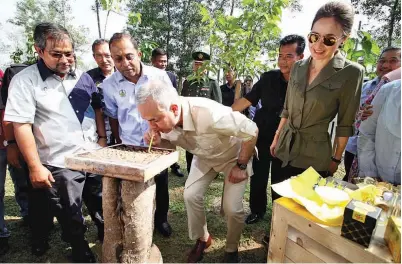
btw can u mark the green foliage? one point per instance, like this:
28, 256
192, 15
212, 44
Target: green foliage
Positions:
31, 12
363, 49
241, 41
174, 25
385, 18
146, 48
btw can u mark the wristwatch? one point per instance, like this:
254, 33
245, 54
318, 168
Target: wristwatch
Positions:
241, 166
335, 160
9, 142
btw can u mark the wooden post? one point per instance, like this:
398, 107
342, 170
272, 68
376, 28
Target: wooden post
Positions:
128, 210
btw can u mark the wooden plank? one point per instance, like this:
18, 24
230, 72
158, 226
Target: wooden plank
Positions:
314, 248
300, 255
279, 231
287, 260
353, 252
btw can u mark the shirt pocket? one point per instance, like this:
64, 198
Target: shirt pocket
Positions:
332, 85
318, 147
208, 144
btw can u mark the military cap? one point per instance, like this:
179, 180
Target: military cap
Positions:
200, 56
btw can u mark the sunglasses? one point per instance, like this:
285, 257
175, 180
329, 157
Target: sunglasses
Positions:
327, 40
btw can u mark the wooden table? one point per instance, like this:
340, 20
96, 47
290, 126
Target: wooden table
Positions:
297, 237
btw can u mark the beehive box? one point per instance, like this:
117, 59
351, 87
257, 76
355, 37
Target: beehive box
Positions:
126, 162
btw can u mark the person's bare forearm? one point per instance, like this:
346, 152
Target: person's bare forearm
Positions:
341, 143
280, 126
100, 123
247, 149
26, 143
241, 104
114, 126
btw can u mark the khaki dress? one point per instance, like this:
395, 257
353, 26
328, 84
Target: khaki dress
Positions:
304, 140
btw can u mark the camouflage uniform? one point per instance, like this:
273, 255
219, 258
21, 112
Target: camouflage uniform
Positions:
206, 87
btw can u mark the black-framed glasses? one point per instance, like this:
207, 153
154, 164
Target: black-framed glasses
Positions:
328, 40
58, 55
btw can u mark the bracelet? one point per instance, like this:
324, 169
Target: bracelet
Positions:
335, 160
105, 137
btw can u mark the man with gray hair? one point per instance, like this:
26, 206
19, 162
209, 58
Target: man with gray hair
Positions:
53, 108
220, 139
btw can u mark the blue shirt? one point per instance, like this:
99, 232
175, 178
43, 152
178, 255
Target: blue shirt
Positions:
119, 96
379, 142
367, 89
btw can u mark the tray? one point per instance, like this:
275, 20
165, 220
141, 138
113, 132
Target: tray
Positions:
121, 161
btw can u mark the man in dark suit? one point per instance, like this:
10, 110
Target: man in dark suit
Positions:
159, 60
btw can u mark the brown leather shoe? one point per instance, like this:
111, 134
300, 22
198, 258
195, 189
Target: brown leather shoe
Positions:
197, 252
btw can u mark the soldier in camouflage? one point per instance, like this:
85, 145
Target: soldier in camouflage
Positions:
204, 87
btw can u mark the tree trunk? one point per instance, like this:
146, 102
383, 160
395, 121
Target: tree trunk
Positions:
97, 16
392, 22
232, 8
170, 28
180, 84
107, 19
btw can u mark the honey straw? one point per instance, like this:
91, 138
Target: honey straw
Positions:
150, 143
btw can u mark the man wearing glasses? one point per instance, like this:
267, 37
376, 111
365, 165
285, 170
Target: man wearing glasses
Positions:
389, 60
53, 108
270, 90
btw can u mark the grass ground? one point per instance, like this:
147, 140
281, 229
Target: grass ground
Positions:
173, 249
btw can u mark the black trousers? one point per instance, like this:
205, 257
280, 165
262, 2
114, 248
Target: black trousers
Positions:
348, 160
259, 181
162, 197
63, 200
189, 159
92, 196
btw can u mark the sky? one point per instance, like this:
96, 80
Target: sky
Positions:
292, 23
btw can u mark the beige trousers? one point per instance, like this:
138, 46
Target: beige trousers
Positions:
232, 203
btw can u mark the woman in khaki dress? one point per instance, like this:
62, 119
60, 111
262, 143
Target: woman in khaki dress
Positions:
320, 87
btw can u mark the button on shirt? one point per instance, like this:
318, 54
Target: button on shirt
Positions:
379, 142
119, 95
213, 133
59, 110
367, 89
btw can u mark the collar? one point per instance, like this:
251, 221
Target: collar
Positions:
100, 72
375, 81
188, 124
333, 66
45, 72
121, 77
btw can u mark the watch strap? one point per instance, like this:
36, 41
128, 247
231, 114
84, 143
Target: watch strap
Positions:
241, 166
13, 141
335, 160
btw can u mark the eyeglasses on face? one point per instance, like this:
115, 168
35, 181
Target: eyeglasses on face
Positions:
58, 55
328, 40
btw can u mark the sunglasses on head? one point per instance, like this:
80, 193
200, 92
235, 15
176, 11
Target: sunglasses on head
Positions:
327, 40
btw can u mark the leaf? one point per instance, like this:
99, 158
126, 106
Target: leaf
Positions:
358, 54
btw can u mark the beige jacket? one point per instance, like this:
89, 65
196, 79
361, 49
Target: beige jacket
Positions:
213, 133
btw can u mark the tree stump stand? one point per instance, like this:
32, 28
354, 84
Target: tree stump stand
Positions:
128, 196
128, 211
